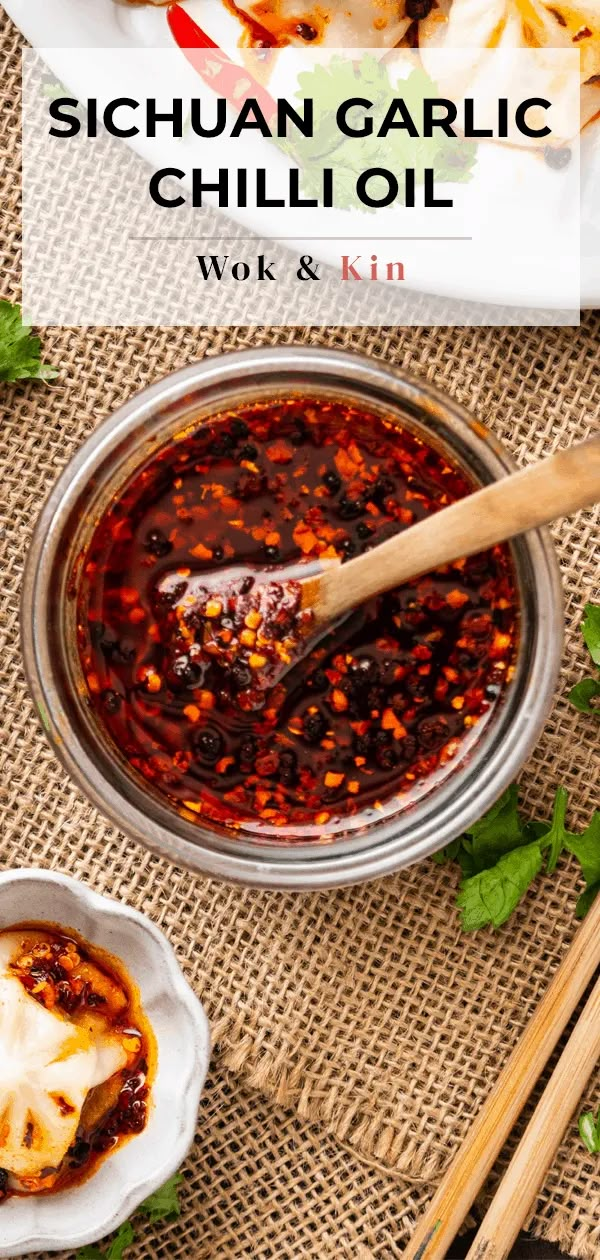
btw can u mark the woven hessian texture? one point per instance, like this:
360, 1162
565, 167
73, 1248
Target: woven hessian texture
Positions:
357, 1031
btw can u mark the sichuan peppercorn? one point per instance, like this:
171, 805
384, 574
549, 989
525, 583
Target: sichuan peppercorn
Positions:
378, 708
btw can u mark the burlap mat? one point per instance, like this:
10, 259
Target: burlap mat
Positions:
358, 1031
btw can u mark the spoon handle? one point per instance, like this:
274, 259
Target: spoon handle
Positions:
554, 487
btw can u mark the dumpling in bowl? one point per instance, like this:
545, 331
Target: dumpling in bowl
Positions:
74, 1052
48, 1065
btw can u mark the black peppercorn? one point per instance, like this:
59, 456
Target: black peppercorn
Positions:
241, 676
208, 745
111, 701
185, 672
307, 32
349, 509
157, 543
248, 452
239, 428
315, 727
332, 481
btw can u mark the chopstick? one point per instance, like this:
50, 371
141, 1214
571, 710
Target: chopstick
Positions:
475, 1158
538, 1146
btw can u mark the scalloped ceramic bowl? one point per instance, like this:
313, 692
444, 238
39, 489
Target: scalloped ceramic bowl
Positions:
87, 1212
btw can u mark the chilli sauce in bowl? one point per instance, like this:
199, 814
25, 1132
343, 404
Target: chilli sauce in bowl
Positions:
376, 711
77, 1058
393, 731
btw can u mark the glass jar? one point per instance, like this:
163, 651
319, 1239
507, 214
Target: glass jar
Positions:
99, 470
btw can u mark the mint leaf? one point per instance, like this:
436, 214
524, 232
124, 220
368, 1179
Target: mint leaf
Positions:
19, 349
498, 832
582, 695
491, 896
164, 1203
447, 854
534, 830
500, 855
590, 628
589, 1131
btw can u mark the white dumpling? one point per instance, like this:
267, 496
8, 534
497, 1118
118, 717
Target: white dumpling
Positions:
47, 1067
462, 24
337, 24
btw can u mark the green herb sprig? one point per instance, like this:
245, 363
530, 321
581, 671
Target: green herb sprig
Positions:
163, 1205
501, 855
20, 351
340, 80
589, 1131
585, 695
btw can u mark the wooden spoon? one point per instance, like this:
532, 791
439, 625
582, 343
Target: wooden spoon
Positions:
554, 487
309, 605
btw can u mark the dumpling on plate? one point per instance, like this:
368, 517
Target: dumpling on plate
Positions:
336, 23
463, 24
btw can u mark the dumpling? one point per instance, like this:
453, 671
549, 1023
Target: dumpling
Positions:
48, 1065
338, 23
462, 24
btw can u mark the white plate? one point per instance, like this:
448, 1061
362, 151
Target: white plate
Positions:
90, 1210
78, 24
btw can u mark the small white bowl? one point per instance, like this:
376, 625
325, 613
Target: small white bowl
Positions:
87, 1212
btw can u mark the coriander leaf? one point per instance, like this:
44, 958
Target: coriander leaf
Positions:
590, 628
586, 849
93, 1252
53, 90
556, 838
122, 1240
586, 901
492, 895
582, 694
19, 349
164, 1203
350, 156
498, 832
589, 1131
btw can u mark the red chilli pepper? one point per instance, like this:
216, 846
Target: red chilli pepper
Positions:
214, 66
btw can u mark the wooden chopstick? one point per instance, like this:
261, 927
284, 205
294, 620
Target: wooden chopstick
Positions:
538, 1146
453, 1199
